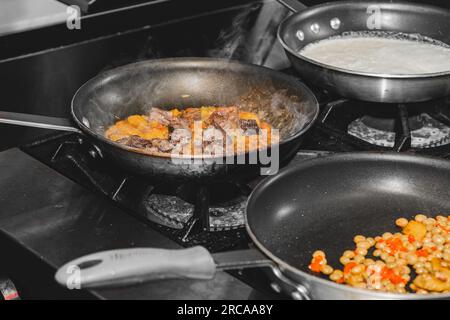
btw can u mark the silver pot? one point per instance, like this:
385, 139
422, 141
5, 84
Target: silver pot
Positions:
404, 20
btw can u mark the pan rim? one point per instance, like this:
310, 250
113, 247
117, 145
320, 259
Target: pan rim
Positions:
283, 265
288, 78
286, 47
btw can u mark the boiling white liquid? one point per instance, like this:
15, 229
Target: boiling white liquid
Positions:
380, 55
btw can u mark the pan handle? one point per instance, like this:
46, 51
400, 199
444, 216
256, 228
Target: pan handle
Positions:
132, 266
125, 267
37, 121
293, 5
297, 290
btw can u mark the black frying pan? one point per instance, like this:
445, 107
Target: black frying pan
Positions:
400, 20
184, 82
317, 204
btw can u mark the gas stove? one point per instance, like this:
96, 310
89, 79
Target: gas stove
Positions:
62, 200
213, 215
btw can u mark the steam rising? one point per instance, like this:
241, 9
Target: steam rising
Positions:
251, 37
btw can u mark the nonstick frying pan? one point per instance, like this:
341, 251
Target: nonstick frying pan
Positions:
399, 20
184, 82
317, 204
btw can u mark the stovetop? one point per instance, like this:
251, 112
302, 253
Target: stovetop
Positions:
171, 208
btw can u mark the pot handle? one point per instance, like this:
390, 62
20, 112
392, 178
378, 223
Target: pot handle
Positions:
37, 121
131, 266
293, 5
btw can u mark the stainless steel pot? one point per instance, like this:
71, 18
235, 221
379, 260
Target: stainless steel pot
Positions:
402, 20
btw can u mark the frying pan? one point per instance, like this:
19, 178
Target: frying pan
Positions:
284, 102
398, 20
318, 204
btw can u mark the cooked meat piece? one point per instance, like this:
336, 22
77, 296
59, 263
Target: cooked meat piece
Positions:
162, 145
192, 114
161, 116
224, 119
249, 126
135, 142
181, 135
178, 123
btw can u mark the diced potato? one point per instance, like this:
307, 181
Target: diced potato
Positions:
431, 283
176, 112
137, 120
155, 130
206, 112
417, 229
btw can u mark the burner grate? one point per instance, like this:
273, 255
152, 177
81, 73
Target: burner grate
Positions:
366, 126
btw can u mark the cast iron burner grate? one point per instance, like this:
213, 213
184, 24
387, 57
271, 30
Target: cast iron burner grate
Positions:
374, 126
177, 212
426, 132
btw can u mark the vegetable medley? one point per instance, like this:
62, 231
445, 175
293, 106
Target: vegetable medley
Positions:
414, 260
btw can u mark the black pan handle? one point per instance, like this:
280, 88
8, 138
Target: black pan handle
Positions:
37, 121
293, 5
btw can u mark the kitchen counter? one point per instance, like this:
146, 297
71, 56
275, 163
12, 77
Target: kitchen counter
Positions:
23, 15
47, 220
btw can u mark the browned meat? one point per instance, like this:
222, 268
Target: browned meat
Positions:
161, 116
224, 119
192, 114
181, 136
151, 145
162, 145
135, 142
249, 126
178, 123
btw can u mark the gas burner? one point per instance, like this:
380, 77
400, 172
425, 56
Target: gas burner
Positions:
351, 125
176, 212
228, 216
426, 132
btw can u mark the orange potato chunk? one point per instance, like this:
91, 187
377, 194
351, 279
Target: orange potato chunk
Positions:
415, 229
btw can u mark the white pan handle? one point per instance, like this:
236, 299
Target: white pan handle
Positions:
131, 266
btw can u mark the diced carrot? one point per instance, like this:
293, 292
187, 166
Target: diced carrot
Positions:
316, 264
422, 253
349, 266
389, 274
395, 245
